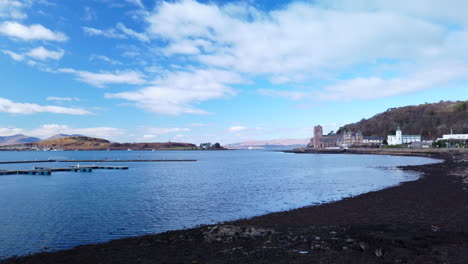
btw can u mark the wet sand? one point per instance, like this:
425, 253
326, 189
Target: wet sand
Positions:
423, 221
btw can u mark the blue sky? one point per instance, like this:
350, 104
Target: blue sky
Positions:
198, 71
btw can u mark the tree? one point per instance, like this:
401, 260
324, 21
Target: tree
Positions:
440, 144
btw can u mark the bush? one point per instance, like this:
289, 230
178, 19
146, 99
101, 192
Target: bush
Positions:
462, 106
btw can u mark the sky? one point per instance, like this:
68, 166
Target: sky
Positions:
222, 71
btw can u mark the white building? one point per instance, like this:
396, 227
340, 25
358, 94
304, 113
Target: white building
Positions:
399, 138
372, 140
454, 136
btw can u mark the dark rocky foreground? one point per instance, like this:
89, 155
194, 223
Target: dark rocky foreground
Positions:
424, 221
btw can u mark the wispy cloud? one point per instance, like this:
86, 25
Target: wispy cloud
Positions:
103, 58
131, 33
8, 106
32, 32
48, 130
12, 9
89, 14
63, 99
291, 95
42, 53
237, 129
377, 87
119, 32
15, 56
136, 2
176, 92
39, 53
108, 33
155, 132
101, 79
197, 125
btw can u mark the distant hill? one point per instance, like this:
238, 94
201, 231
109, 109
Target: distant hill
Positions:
90, 143
62, 136
17, 139
270, 144
428, 120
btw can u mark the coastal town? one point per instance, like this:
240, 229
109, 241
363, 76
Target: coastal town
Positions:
356, 139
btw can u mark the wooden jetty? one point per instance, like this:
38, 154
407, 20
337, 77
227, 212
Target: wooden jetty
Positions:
101, 160
100, 167
27, 172
48, 171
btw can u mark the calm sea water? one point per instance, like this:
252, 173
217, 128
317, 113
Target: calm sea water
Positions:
68, 209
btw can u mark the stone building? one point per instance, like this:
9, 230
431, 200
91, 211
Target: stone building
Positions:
324, 141
347, 140
350, 139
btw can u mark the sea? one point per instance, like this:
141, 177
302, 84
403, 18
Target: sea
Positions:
66, 209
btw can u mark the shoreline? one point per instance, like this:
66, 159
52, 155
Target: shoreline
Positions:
430, 153
422, 221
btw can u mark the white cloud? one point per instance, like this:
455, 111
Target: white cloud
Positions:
15, 56
131, 33
39, 53
120, 32
197, 125
103, 78
63, 99
177, 92
89, 14
449, 11
105, 59
9, 131
32, 32
237, 128
42, 53
308, 39
148, 136
291, 95
48, 130
8, 106
109, 33
187, 47
13, 9
377, 87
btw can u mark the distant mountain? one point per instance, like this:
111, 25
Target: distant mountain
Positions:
62, 136
428, 120
270, 144
90, 143
17, 139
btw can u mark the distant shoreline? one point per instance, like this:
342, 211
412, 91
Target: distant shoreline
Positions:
431, 153
148, 150
422, 221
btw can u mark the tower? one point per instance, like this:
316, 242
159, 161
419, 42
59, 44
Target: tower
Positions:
318, 134
399, 138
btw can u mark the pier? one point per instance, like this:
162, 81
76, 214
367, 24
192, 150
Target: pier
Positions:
48, 171
101, 160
